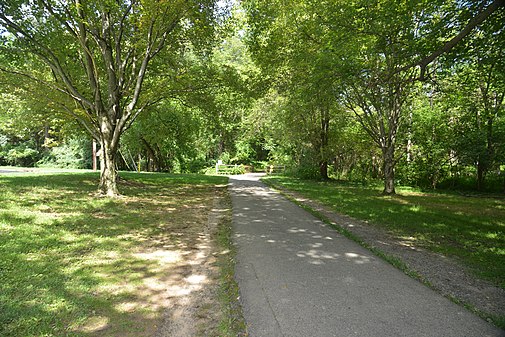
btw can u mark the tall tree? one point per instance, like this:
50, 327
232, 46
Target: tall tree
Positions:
98, 54
286, 43
370, 52
477, 90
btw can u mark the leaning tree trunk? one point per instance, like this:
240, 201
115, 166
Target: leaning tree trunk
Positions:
389, 169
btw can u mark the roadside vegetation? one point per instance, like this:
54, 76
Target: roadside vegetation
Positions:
76, 265
470, 228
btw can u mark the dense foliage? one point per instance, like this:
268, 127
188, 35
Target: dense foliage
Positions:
406, 92
103, 62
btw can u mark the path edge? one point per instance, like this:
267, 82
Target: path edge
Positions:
395, 261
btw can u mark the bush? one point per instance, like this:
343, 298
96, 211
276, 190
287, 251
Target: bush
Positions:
236, 170
208, 170
493, 182
22, 155
260, 166
195, 165
309, 172
74, 154
245, 153
225, 157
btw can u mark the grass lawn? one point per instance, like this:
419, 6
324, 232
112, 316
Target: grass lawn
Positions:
469, 228
72, 264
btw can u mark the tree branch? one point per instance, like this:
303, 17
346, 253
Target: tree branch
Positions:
90, 128
88, 59
474, 22
46, 84
49, 58
60, 19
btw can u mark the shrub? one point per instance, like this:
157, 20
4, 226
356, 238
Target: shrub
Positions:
195, 165
75, 153
306, 171
22, 156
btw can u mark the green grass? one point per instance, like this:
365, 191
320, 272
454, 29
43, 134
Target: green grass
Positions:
72, 264
471, 229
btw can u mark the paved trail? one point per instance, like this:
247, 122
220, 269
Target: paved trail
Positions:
298, 277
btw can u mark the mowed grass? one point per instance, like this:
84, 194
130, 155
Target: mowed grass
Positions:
72, 264
469, 228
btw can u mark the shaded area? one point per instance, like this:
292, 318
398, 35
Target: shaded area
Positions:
300, 278
470, 228
73, 264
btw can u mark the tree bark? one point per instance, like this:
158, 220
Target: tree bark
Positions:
323, 170
153, 158
324, 137
389, 169
480, 174
108, 172
503, 182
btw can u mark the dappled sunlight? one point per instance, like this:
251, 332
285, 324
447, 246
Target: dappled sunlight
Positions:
251, 188
320, 257
105, 267
161, 256
94, 324
312, 234
298, 230
358, 258
410, 242
492, 236
314, 246
317, 254
467, 227
415, 208
196, 279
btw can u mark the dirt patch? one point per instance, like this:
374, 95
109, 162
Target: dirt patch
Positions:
194, 308
176, 291
444, 274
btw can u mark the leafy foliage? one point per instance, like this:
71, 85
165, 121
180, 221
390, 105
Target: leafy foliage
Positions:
329, 88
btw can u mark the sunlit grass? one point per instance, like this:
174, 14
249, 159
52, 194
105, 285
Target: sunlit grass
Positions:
72, 264
471, 229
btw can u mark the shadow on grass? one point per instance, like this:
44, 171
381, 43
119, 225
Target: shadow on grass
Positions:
72, 264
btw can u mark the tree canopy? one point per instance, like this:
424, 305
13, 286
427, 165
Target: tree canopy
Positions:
408, 91
96, 55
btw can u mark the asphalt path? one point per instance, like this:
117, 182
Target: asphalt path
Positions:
11, 171
298, 277
37, 170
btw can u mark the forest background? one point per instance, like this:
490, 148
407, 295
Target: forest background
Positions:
363, 91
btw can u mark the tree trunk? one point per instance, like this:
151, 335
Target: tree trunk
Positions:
323, 169
108, 172
324, 136
389, 170
503, 183
480, 174
153, 164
